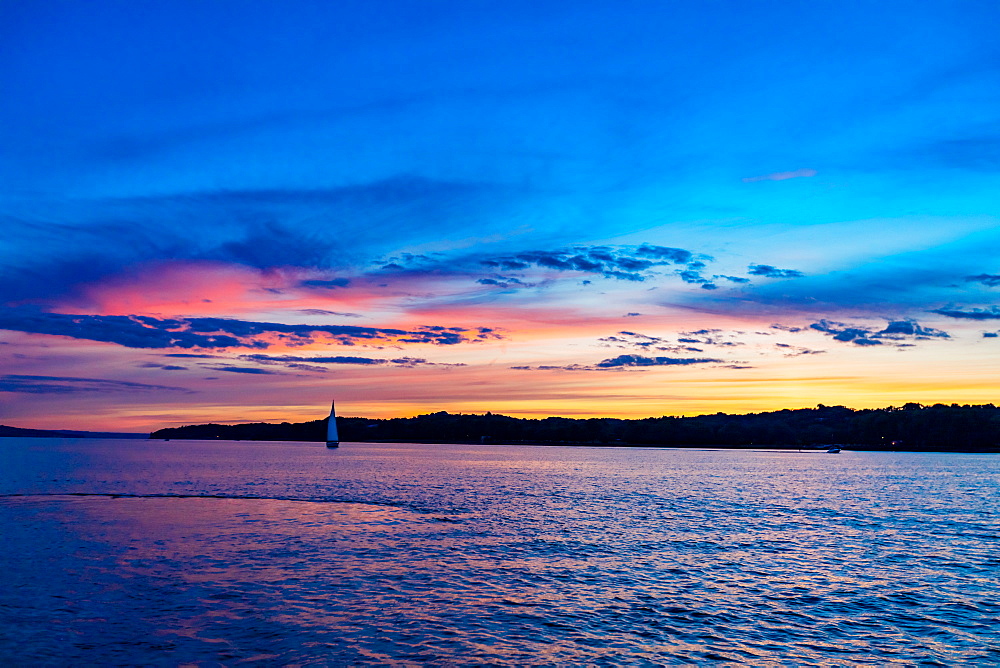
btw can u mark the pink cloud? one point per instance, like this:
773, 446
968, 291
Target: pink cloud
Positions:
781, 176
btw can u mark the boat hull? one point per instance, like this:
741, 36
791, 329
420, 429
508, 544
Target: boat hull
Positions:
333, 444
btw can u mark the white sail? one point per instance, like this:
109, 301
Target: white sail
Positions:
332, 439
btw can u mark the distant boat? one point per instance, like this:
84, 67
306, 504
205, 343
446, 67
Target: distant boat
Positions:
332, 439
833, 450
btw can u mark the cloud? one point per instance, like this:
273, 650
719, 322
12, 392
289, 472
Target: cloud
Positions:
240, 369
781, 176
769, 271
332, 228
796, 351
165, 367
148, 332
629, 263
292, 360
695, 277
897, 329
641, 361
634, 341
67, 385
894, 332
623, 362
329, 285
504, 282
319, 311
686, 342
991, 313
989, 280
711, 337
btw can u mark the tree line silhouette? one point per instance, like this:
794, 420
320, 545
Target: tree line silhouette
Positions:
909, 427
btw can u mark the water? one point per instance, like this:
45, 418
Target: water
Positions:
238, 553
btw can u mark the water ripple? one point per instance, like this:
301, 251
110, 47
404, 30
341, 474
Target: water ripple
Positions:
457, 555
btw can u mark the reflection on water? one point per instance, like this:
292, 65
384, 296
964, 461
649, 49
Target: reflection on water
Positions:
404, 554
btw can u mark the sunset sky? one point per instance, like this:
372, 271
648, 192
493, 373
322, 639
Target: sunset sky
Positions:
237, 211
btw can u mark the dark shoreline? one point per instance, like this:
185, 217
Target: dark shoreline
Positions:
912, 427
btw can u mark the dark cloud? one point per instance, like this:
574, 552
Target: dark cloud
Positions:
894, 332
841, 332
674, 255
786, 328
332, 228
991, 313
504, 282
165, 367
769, 271
989, 280
627, 263
898, 329
240, 369
148, 332
634, 341
330, 284
623, 362
622, 263
695, 278
990, 335
67, 385
294, 360
711, 337
641, 361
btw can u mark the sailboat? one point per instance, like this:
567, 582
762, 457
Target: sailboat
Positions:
332, 439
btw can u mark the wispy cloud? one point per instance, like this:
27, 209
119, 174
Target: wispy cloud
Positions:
320, 311
294, 360
991, 313
623, 362
769, 271
164, 367
796, 351
240, 369
781, 176
147, 332
989, 280
68, 384
259, 229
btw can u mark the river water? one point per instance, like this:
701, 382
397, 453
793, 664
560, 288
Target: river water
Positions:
239, 553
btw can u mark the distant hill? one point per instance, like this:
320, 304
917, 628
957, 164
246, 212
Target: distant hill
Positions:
65, 433
909, 427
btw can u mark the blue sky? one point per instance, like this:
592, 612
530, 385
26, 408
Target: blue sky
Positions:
266, 162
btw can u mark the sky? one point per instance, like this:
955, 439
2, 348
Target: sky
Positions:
238, 211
